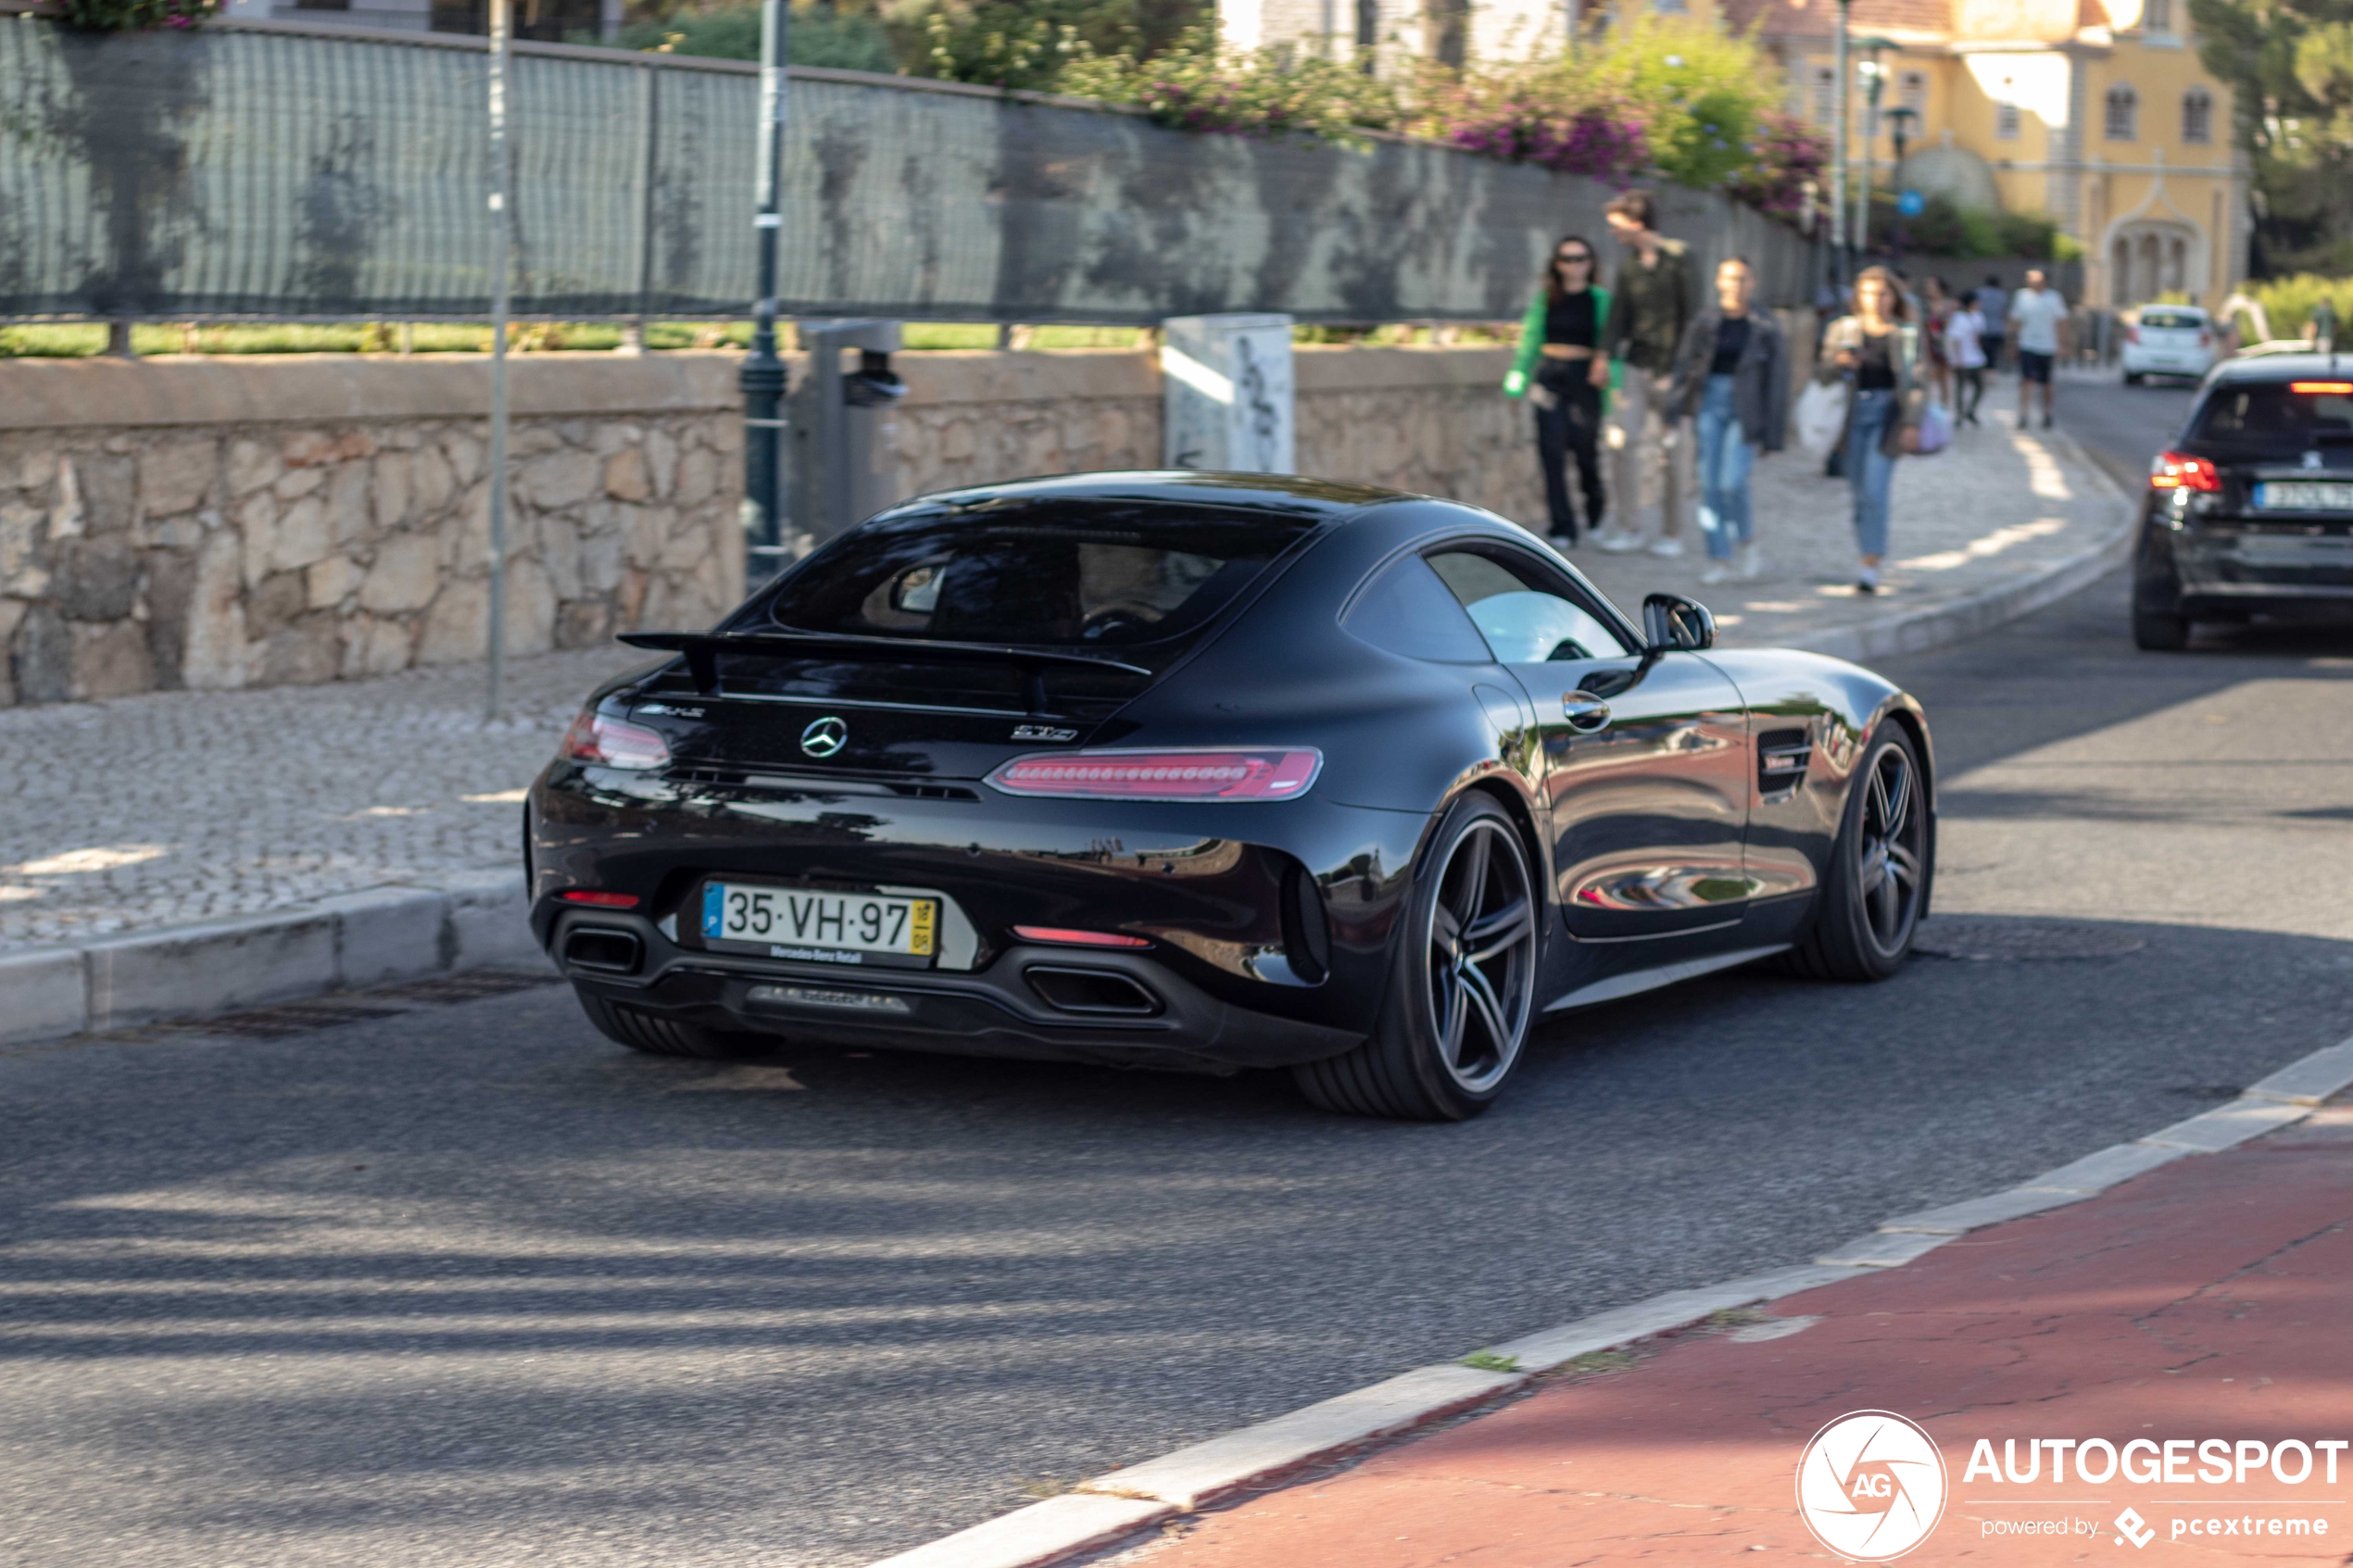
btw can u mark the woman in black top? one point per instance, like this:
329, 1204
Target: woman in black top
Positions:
1558, 341
1732, 381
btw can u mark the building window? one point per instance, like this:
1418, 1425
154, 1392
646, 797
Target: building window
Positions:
1825, 94
2123, 109
2197, 115
2006, 113
2157, 16
1911, 92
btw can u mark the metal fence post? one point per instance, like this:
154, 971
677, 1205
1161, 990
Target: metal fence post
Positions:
500, 221
762, 377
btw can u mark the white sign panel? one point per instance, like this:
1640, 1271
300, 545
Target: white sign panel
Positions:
1227, 394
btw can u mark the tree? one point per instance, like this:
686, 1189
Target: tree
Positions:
2290, 67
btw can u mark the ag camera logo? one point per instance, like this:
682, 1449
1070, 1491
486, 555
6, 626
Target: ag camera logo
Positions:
1872, 1485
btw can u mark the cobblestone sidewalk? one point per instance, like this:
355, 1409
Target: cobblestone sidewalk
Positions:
182, 807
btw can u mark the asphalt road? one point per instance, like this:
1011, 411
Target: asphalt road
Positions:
467, 1287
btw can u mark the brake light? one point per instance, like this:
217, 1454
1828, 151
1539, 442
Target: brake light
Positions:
2178, 471
2131, 334
2205, 340
1066, 937
2341, 388
1163, 775
609, 743
598, 900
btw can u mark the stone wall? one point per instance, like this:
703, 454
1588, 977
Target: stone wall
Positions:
255, 522
218, 523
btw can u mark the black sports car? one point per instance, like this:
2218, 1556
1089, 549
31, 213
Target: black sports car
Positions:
1212, 771
2251, 509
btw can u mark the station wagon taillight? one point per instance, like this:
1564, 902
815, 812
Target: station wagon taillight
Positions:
2179, 470
609, 743
1239, 774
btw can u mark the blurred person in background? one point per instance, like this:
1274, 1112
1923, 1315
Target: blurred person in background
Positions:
1559, 344
1732, 379
1936, 308
2038, 317
1878, 351
1993, 304
1652, 301
1965, 351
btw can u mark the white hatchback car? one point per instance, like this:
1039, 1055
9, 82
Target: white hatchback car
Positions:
2168, 340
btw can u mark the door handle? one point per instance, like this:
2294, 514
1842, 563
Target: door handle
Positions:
1584, 711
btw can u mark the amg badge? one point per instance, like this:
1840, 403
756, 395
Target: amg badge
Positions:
1042, 732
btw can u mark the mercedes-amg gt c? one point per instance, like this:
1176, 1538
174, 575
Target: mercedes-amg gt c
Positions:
1207, 773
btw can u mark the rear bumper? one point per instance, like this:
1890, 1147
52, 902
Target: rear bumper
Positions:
1215, 890
2245, 569
1003, 1010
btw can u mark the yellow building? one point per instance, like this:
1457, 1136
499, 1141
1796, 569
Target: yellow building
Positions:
2094, 113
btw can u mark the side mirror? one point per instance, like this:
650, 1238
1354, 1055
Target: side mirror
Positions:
1676, 624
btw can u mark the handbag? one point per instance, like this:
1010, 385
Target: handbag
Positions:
1935, 429
1821, 416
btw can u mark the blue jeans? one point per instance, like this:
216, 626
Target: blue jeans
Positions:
1869, 469
1725, 455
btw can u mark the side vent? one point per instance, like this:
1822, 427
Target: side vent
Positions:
1781, 757
1307, 940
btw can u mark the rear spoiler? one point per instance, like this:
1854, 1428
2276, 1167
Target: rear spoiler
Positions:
703, 649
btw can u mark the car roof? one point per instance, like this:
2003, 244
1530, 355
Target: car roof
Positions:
2285, 367
1291, 493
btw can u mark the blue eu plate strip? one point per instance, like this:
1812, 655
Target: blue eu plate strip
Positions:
714, 905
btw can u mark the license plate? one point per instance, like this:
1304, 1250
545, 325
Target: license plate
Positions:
2304, 495
848, 928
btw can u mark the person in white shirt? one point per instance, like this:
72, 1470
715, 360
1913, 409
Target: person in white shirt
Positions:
2037, 315
1965, 351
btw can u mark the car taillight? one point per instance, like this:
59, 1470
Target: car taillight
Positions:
1163, 775
2321, 388
1066, 937
2179, 470
2131, 334
597, 899
609, 743
2206, 339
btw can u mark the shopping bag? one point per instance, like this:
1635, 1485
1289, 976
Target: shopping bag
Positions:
1821, 416
1936, 428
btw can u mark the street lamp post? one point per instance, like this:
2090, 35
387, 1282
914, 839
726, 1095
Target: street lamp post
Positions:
1899, 122
501, 249
762, 377
1874, 80
1839, 117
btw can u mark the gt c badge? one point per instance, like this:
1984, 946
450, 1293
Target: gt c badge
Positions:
1042, 732
824, 737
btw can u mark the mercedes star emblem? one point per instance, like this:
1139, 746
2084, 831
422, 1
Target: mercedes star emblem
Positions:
824, 737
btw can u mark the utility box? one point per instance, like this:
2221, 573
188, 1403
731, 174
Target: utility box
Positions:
842, 422
1225, 389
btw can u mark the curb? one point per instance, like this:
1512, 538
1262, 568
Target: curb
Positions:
1111, 1509
436, 926
1934, 627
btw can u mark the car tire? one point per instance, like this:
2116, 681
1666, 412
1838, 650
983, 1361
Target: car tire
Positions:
657, 1035
1880, 871
2131, 378
1460, 1001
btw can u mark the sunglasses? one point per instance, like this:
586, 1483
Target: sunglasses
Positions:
1568, 256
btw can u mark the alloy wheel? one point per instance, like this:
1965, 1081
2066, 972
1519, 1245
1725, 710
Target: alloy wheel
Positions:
1482, 956
1891, 847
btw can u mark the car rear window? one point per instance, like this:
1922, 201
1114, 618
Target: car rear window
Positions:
2286, 416
1041, 573
2173, 319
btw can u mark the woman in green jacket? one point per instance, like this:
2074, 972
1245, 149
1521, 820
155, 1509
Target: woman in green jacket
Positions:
1558, 339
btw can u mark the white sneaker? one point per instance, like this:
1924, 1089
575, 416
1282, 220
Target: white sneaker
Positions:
1667, 546
1752, 562
1717, 571
1618, 544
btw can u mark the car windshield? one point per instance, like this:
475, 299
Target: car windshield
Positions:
2276, 417
1038, 572
2173, 319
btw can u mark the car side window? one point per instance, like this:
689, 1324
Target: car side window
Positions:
1523, 619
1407, 610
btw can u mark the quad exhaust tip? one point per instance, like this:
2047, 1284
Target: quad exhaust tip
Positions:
603, 949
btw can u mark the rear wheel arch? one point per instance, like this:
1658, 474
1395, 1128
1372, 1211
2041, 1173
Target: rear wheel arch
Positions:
1522, 818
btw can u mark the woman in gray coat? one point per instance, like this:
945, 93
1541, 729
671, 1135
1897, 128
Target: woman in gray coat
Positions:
1732, 379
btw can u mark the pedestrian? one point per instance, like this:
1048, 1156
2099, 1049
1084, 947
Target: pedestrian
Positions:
2037, 312
1731, 380
1878, 351
1559, 340
1993, 304
1965, 350
1651, 304
2320, 329
1937, 307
